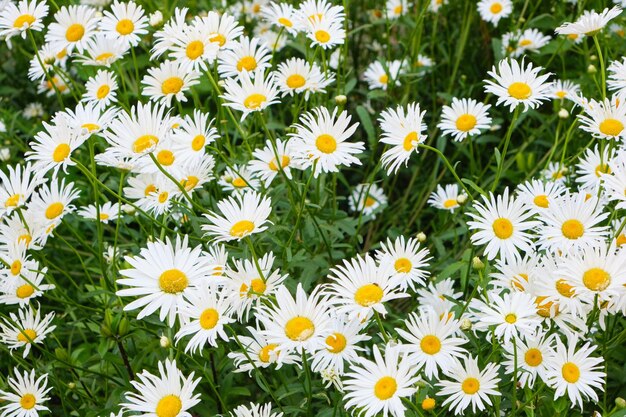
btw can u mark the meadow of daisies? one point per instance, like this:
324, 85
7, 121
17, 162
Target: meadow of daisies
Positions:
257, 208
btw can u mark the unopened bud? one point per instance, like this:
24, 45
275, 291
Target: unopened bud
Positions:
5, 154
620, 402
466, 324
156, 18
128, 209
593, 58
341, 99
165, 342
477, 263
421, 237
461, 199
591, 69
563, 113
71, 385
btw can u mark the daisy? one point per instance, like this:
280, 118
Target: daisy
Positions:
53, 201
469, 385
52, 147
327, 32
532, 40
168, 394
102, 51
318, 9
564, 89
241, 215
262, 353
282, 15
438, 296
515, 274
162, 275
403, 130
23, 289
614, 182
424, 63
17, 18
299, 324
341, 345
167, 81
555, 172
249, 94
589, 23
28, 396
617, 75
101, 90
532, 353
73, 26
407, 259
265, 163
445, 198
105, 213
296, 76
126, 21
516, 85
194, 134
592, 167
175, 27
25, 328
367, 199
321, 141
503, 224
255, 410
16, 259
380, 385
604, 119
575, 372
396, 8
247, 55
572, 223
538, 195
494, 10
223, 30
190, 46
88, 119
193, 174
17, 186
49, 57
239, 179
432, 341
463, 118
379, 76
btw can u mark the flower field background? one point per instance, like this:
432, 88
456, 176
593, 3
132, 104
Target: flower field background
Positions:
312, 208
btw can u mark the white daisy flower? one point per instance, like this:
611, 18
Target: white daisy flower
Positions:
249, 94
494, 10
438, 296
52, 147
53, 201
463, 118
223, 29
296, 76
101, 90
604, 119
105, 213
102, 51
247, 55
378, 75
445, 198
238, 179
407, 260
191, 46
403, 130
23, 289
88, 119
262, 353
515, 274
28, 395
532, 354
282, 15
167, 81
241, 215
265, 163
17, 18
255, 410
589, 23
564, 90
126, 21
396, 8
327, 32
538, 195
25, 328
367, 199
17, 186
73, 26
341, 345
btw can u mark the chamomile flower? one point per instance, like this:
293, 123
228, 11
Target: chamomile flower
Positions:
105, 213
17, 18
380, 385
532, 40
494, 10
327, 32
195, 133
247, 55
28, 396
432, 341
72, 28
223, 30
175, 27
463, 118
265, 164
162, 275
438, 296
341, 345
445, 198
403, 129
126, 21
469, 385
538, 195
310, 10
321, 141
615, 181
241, 215
396, 8
102, 51
48, 58
407, 259
589, 23
503, 224
532, 354
17, 186
238, 179
101, 90
16, 259
53, 201
87, 119
52, 147
191, 46
378, 75
515, 274
575, 372
249, 94
167, 81
261, 352
367, 199
23, 289
604, 119
564, 90
617, 75
296, 76
193, 174
168, 394
592, 167
282, 15
25, 328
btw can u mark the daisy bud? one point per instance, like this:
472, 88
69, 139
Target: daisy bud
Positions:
461, 199
5, 154
620, 402
221, 83
466, 324
563, 114
593, 58
591, 69
421, 237
165, 342
494, 128
128, 209
428, 404
156, 18
71, 385
521, 19
341, 99
477, 264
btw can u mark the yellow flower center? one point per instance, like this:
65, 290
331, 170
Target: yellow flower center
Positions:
326, 143
13, 201
103, 91
520, 91
516, 283
369, 201
165, 157
254, 101
104, 56
495, 8
466, 122
284, 163
621, 239
173, 281
428, 404
503, 228
572, 229
125, 27
383, 79
16, 267
264, 353
27, 402
368, 295
596, 279
285, 22
149, 190
190, 182
247, 63
398, 10
90, 127
295, 81
54, 210
25, 238
510, 318
163, 197
258, 287
24, 291
25, 19
533, 357
602, 169
403, 265
209, 318
564, 288
611, 127
194, 49
75, 32
61, 152
541, 201
104, 216
322, 36
450, 203
26, 335
410, 141
570, 372
197, 142
172, 85
470, 386
385, 388
239, 182
561, 94
169, 406
242, 228
544, 308
430, 344
145, 142
219, 38
337, 342
299, 328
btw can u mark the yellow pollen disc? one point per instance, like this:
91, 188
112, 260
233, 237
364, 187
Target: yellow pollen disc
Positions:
62, 54
194, 49
544, 308
397, 10
602, 169
611, 127
24, 291
385, 388
75, 32
369, 201
428, 404
61, 152
125, 27
299, 329
326, 143
12, 201
541, 201
295, 81
149, 190
561, 94
502, 228
258, 287
430, 344
26, 239
242, 228
247, 63
165, 157
368, 295
172, 85
54, 210
264, 353
570, 372
510, 318
383, 79
410, 141
163, 197
209, 318
239, 182
403, 265
450, 203
104, 216
520, 91
572, 36
533, 357
322, 36
219, 39
103, 91
564, 288
621, 239
27, 402
16, 267
25, 19
169, 406
198, 142
337, 342
104, 56
190, 182
516, 283
145, 142
572, 229
285, 22
254, 101
284, 163
466, 122
596, 279
91, 127
495, 8
25, 335
470, 386
173, 281
525, 42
